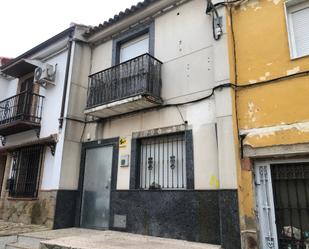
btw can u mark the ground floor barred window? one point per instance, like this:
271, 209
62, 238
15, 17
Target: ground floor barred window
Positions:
163, 162
25, 172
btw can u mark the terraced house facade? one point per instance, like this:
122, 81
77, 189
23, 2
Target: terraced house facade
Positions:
34, 136
165, 135
270, 61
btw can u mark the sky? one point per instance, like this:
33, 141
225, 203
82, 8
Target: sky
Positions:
27, 23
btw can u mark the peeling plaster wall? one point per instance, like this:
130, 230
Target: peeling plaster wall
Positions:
274, 104
281, 102
271, 114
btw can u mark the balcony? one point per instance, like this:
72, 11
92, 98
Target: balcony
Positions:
130, 86
20, 113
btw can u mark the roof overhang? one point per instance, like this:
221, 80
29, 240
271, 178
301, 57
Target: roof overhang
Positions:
135, 15
20, 63
21, 67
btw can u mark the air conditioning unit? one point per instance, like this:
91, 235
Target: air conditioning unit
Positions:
45, 74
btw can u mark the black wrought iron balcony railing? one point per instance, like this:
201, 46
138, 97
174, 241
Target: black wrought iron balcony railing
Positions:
25, 107
138, 76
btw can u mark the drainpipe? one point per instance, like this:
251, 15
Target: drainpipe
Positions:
66, 77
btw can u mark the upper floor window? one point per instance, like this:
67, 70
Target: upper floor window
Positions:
133, 43
134, 48
298, 27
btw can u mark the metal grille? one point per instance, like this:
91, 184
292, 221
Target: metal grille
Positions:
291, 198
26, 106
163, 162
25, 172
140, 75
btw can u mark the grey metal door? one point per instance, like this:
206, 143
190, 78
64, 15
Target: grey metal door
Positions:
265, 207
96, 187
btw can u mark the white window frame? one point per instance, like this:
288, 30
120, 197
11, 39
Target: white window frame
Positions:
133, 42
291, 6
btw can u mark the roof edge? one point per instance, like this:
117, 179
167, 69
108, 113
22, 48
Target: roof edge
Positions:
41, 46
119, 17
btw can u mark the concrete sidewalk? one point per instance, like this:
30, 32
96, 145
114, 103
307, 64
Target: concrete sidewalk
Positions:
10, 228
89, 239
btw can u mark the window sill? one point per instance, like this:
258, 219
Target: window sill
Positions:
22, 198
299, 57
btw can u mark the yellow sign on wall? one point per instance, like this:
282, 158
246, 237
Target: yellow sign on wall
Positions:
123, 143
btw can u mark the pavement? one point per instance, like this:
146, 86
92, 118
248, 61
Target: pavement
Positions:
79, 238
90, 239
10, 228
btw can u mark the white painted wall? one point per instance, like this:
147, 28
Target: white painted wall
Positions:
3, 87
53, 97
7, 87
49, 123
76, 104
62, 169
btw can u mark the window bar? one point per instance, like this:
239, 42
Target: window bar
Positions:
182, 168
159, 150
167, 164
297, 203
146, 167
280, 204
154, 164
290, 207
305, 183
177, 141
150, 165
172, 163
163, 160
142, 167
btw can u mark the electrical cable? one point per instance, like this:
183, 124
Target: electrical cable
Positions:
241, 86
213, 90
211, 9
183, 120
216, 26
226, 3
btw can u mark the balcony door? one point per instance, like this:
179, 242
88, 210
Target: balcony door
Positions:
134, 48
24, 101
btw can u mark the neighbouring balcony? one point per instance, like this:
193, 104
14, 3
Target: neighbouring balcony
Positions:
130, 86
20, 113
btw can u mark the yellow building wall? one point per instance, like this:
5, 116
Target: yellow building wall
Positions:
271, 114
262, 53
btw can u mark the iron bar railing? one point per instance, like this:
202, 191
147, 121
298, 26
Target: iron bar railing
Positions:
138, 76
291, 198
26, 106
163, 162
24, 180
